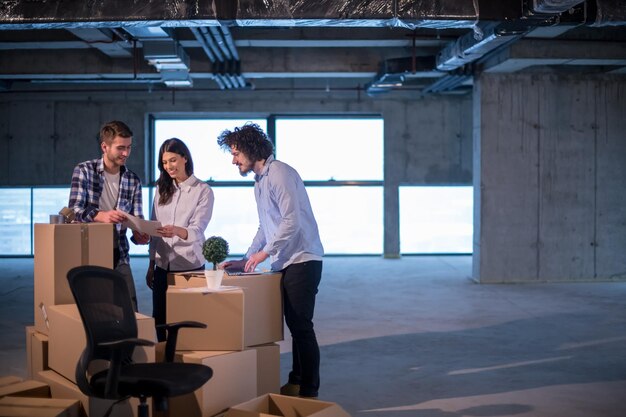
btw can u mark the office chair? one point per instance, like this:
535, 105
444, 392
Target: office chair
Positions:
103, 300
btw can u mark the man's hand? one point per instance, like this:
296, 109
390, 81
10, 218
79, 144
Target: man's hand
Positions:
111, 216
240, 264
150, 277
141, 238
254, 260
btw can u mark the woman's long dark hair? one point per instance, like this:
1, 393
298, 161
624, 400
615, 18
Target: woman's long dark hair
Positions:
165, 182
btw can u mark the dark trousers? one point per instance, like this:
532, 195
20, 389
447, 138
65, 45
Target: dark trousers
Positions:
159, 292
299, 287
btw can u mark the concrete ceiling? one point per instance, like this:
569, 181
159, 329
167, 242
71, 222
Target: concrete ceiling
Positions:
381, 47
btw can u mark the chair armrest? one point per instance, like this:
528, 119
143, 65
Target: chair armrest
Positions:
117, 349
122, 343
172, 335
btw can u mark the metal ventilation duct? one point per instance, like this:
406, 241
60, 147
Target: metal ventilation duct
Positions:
344, 13
553, 6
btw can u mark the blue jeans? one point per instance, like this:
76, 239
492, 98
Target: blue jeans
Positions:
299, 287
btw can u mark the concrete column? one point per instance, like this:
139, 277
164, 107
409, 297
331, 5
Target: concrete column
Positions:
537, 159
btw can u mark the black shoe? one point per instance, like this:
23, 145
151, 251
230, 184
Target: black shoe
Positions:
291, 390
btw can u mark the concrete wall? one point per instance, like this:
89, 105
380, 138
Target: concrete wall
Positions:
549, 178
42, 136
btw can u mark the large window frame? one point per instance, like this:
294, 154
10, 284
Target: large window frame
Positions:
272, 133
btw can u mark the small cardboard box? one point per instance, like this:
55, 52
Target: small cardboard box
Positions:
68, 340
233, 381
16, 387
59, 248
222, 311
36, 352
263, 321
39, 407
268, 368
60, 387
280, 405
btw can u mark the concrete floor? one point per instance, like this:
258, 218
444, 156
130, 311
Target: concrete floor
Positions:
416, 337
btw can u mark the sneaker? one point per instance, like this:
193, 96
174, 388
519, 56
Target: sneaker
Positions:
291, 390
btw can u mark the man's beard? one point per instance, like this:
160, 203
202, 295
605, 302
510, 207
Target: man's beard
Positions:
245, 172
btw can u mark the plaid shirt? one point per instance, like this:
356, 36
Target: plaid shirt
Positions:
87, 183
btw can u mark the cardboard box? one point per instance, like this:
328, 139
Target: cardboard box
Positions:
36, 352
39, 407
233, 381
17, 387
61, 387
59, 248
263, 321
280, 405
67, 340
268, 368
221, 311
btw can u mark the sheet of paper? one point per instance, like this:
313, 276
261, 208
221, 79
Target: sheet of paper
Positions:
141, 225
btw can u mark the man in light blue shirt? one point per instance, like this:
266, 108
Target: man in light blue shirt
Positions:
288, 235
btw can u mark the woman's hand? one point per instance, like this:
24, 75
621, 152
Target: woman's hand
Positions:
170, 231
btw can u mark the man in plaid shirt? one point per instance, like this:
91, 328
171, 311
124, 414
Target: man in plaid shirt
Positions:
104, 190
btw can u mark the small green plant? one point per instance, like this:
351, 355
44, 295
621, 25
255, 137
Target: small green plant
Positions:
215, 250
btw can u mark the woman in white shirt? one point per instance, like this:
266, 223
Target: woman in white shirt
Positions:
183, 204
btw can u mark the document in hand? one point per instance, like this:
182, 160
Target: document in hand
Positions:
141, 225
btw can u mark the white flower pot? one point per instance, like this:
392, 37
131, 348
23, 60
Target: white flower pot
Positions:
213, 278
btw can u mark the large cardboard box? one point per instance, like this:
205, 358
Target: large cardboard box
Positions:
268, 368
16, 387
36, 352
68, 340
280, 405
39, 407
263, 321
61, 387
233, 381
59, 248
222, 311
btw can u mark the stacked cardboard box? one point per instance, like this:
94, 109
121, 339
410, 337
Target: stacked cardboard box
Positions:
244, 321
57, 339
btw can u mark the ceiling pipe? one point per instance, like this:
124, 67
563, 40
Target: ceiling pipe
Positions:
228, 37
203, 43
211, 43
219, 41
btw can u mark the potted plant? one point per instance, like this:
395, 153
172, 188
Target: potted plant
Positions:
214, 250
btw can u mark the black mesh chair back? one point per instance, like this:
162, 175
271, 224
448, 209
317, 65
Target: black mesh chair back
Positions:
106, 309
104, 302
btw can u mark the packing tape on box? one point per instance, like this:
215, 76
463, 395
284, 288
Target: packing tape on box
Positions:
84, 244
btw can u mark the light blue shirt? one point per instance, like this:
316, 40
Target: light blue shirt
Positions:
287, 228
191, 207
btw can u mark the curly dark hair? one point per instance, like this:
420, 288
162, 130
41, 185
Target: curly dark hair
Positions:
248, 139
165, 182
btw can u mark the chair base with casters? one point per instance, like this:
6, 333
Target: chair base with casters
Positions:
105, 306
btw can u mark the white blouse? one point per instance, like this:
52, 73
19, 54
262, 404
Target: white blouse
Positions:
190, 207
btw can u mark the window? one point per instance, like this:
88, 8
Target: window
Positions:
436, 219
200, 136
342, 149
16, 221
335, 156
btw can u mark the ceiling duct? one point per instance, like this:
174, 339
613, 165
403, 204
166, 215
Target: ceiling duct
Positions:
553, 6
609, 13
394, 72
169, 59
471, 46
40, 14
